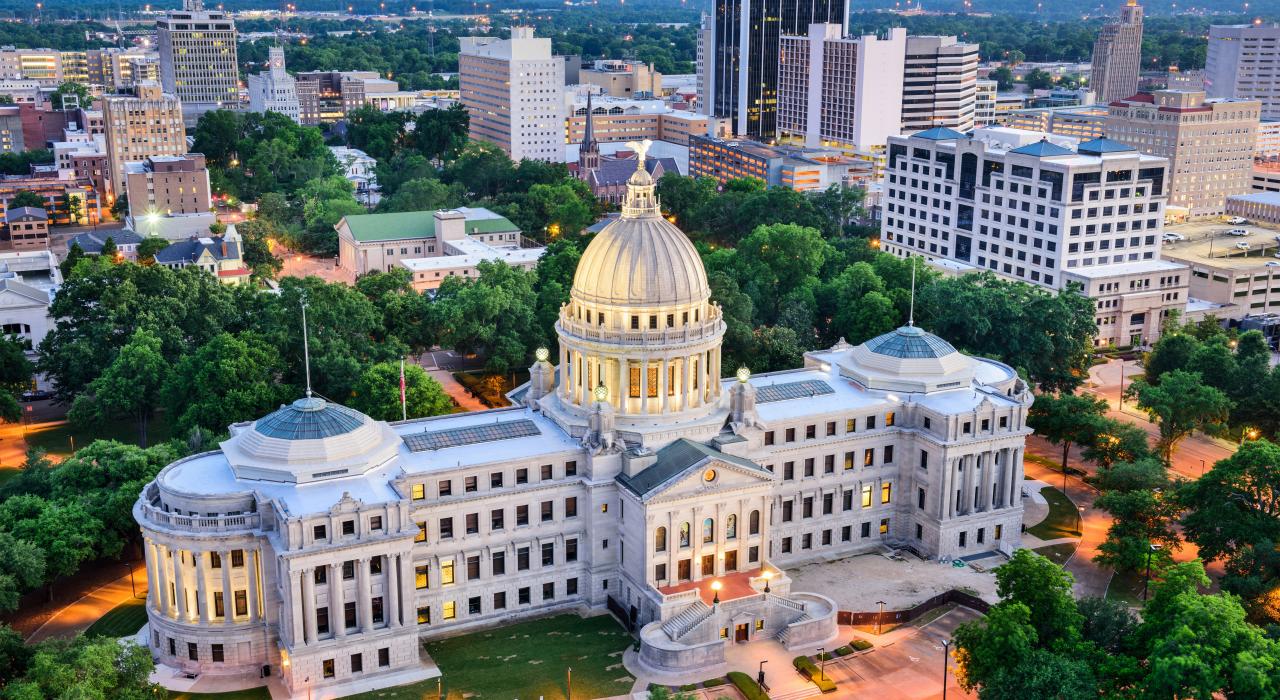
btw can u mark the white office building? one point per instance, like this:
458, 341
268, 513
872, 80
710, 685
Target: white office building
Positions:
198, 58
1043, 209
940, 83
840, 91
274, 90
513, 89
1243, 61
631, 476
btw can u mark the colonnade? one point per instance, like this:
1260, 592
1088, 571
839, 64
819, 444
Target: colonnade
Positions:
186, 585
397, 597
980, 482
645, 385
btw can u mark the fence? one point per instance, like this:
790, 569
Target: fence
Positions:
958, 597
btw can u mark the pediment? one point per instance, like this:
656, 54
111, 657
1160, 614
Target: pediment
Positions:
708, 476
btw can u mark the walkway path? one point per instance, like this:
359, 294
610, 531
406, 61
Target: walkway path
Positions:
76, 617
454, 388
1091, 579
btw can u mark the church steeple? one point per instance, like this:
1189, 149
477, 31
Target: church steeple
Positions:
589, 152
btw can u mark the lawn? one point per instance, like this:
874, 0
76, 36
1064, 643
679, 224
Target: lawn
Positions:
1126, 587
1063, 519
528, 660
1058, 553
57, 440
123, 620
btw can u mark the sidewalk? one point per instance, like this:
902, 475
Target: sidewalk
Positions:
1091, 579
455, 390
78, 616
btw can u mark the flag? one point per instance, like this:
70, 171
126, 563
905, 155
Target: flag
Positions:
404, 407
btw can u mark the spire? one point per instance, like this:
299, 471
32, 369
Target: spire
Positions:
589, 135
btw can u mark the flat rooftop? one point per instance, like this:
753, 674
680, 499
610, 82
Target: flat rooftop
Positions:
1208, 244
1127, 268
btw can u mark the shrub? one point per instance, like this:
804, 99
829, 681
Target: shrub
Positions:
860, 644
714, 682
844, 650
689, 686
747, 686
488, 388
810, 670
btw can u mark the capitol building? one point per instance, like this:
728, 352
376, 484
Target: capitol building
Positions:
320, 546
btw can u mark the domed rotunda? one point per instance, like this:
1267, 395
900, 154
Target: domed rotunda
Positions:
639, 321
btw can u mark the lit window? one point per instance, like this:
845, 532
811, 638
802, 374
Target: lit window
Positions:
449, 611
866, 495
446, 572
886, 492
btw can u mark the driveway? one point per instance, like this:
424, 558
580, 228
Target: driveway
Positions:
79, 615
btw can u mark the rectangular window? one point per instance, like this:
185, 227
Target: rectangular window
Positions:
884, 526
237, 558
810, 432
218, 609
829, 464
375, 523
348, 570
473, 567
473, 523
866, 495
920, 498
868, 457
522, 596
384, 656
445, 488
924, 460
571, 468
522, 515
633, 388
446, 572
322, 620
242, 603
548, 554
446, 528
348, 527
469, 485
549, 590
450, 610
357, 663
522, 559
496, 518
327, 668
888, 454
473, 605
571, 507
192, 652
495, 480
571, 587
866, 530
349, 614
808, 467
546, 472
571, 550
498, 563
886, 492
318, 532
871, 422
547, 511
791, 434
215, 652
848, 460
768, 438
500, 600
888, 419
375, 607
789, 470
831, 428
421, 534
522, 476
846, 533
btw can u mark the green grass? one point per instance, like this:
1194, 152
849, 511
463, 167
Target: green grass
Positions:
259, 693
56, 440
1063, 519
1126, 587
123, 620
529, 660
1058, 553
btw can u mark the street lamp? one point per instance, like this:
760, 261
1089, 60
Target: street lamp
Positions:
946, 656
760, 674
767, 575
715, 589
568, 695
132, 588
822, 663
880, 617
1146, 579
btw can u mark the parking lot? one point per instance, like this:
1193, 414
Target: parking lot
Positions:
1205, 240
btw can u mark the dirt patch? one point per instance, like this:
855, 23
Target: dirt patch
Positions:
856, 583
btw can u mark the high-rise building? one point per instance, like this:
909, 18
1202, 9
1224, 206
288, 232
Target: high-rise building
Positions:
514, 91
741, 66
940, 84
140, 126
839, 91
1208, 142
706, 43
1041, 209
623, 78
1243, 61
198, 58
986, 95
1117, 55
274, 90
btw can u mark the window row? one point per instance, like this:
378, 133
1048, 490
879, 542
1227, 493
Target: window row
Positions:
829, 429
708, 531
866, 499
447, 576
497, 479
498, 519
498, 601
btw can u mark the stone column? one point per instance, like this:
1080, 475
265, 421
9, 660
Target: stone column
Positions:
715, 375
228, 595
662, 384
944, 483
408, 597
966, 492
619, 393
1015, 472
684, 383
309, 606
180, 591
337, 607
293, 608
251, 562
989, 485
363, 595
644, 385
149, 558
391, 589
565, 387
202, 588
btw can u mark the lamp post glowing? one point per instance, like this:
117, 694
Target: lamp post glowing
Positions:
715, 589
946, 656
880, 617
767, 575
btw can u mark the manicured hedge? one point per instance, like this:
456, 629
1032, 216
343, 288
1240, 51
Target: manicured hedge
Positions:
714, 682
747, 686
844, 650
860, 644
810, 670
687, 687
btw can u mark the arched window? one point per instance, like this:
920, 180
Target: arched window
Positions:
684, 534
731, 527
755, 522
660, 540
708, 530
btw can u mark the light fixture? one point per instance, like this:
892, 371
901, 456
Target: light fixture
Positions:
767, 575
601, 392
715, 587
743, 374
542, 354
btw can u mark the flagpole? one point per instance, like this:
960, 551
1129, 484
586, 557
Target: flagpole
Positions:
404, 407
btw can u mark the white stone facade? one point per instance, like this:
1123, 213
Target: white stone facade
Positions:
629, 478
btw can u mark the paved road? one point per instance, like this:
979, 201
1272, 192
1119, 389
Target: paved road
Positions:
454, 388
1091, 579
76, 617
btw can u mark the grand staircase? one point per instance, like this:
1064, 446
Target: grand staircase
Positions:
686, 620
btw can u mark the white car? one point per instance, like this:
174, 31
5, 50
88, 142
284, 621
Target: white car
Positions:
1237, 232
1242, 246
1273, 263
1237, 220
1173, 237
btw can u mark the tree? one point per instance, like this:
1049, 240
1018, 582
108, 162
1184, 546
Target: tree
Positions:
87, 667
555, 210
64, 531
440, 134
491, 315
27, 198
838, 205
1037, 79
231, 378
74, 207
14, 655
1180, 404
148, 248
74, 254
15, 376
130, 385
21, 570
1144, 512
1233, 516
1066, 419
984, 647
1108, 623
421, 194
83, 98
1003, 77
1045, 589
1115, 441
109, 249
377, 393
255, 247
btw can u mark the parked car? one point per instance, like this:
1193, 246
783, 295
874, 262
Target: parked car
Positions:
1237, 220
37, 395
1238, 232
1173, 237
1242, 246
1273, 263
